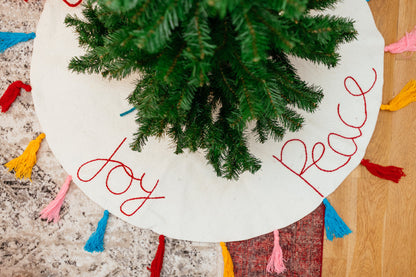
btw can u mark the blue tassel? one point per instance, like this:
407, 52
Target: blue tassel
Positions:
8, 39
334, 225
127, 112
96, 241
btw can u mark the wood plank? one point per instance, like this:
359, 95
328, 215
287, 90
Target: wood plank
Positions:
382, 214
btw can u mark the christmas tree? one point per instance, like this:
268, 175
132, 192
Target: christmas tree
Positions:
212, 71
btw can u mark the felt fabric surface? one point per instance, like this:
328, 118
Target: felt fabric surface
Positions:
29, 246
27, 242
179, 195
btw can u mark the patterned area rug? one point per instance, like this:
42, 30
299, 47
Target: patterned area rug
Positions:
301, 244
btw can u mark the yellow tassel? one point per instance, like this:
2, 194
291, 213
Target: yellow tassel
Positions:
406, 96
228, 262
23, 164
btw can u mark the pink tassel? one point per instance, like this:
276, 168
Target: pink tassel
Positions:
406, 43
51, 212
276, 259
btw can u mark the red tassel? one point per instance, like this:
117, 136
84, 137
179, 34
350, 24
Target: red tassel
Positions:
157, 262
11, 94
391, 173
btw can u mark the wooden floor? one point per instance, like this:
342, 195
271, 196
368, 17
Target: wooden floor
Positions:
382, 214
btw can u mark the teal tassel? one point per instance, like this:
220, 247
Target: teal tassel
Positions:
127, 112
96, 241
334, 225
8, 39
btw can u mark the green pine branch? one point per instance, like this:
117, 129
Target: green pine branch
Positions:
210, 67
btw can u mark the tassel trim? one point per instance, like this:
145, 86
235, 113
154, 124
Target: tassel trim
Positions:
406, 96
276, 264
9, 39
157, 263
96, 241
391, 173
406, 43
228, 262
334, 225
11, 93
23, 164
128, 112
51, 212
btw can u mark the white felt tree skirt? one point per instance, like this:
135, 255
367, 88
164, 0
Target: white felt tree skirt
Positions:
180, 196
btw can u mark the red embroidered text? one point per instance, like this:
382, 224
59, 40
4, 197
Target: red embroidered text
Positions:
139, 200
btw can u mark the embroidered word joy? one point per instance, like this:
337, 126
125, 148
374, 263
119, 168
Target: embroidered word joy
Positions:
139, 201
319, 148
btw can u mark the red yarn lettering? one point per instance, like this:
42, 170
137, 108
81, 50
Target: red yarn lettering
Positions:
70, 4
317, 156
73, 5
129, 172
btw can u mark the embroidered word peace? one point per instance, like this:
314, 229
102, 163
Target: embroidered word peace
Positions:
141, 200
319, 149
